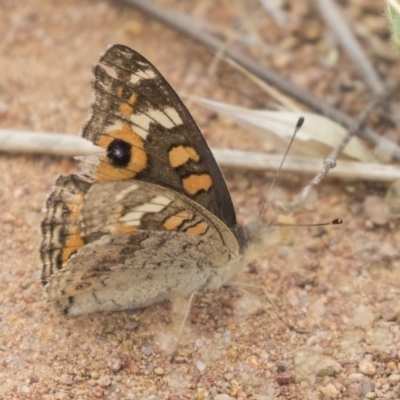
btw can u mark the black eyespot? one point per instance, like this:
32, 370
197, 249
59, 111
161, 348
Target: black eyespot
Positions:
119, 153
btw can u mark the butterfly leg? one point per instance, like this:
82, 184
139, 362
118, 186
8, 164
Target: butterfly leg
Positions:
183, 323
268, 297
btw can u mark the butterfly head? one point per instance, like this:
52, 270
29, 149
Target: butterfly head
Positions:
255, 239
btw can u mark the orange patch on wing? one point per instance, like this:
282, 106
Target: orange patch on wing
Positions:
124, 229
72, 245
199, 229
74, 241
108, 172
180, 155
194, 184
175, 221
132, 99
119, 90
126, 108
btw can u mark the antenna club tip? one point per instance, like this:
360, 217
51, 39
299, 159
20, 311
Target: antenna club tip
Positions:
337, 221
300, 122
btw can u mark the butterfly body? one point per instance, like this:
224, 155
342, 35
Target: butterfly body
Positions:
149, 216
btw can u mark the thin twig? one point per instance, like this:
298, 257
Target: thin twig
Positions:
330, 161
56, 144
283, 99
275, 12
192, 29
339, 26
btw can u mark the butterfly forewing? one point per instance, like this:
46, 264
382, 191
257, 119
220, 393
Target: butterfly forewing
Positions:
149, 135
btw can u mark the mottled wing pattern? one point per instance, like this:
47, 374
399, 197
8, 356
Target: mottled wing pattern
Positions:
150, 215
149, 135
145, 244
61, 227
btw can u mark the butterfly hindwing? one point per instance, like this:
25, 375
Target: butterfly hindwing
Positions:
146, 243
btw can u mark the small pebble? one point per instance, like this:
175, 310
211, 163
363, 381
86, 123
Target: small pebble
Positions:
147, 350
25, 389
8, 218
115, 364
94, 375
356, 377
363, 317
284, 378
159, 371
328, 367
367, 368
223, 397
329, 391
233, 354
98, 391
394, 379
200, 365
281, 60
312, 31
390, 311
354, 390
104, 381
307, 364
66, 380
201, 394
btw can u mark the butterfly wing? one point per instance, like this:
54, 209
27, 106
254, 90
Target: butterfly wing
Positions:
145, 244
150, 215
149, 135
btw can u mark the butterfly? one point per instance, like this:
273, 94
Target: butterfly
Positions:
149, 215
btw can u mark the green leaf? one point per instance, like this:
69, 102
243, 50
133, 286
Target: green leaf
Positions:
393, 14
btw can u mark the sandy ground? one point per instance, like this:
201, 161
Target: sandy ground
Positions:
339, 284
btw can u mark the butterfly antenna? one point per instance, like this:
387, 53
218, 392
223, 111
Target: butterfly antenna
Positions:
299, 124
336, 221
